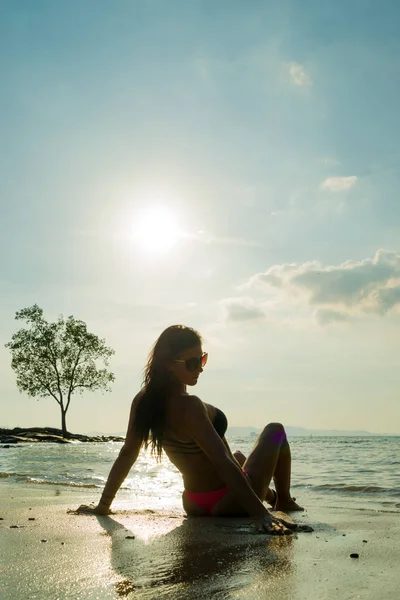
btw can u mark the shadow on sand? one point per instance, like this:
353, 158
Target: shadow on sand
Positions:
179, 558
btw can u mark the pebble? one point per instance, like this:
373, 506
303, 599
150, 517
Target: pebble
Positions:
31, 519
365, 541
354, 555
14, 527
129, 537
43, 540
1, 519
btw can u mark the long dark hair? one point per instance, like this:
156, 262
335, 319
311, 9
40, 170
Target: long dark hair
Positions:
158, 384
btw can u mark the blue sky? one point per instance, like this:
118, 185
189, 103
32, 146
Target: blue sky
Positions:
269, 133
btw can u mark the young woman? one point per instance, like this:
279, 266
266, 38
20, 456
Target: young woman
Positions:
191, 433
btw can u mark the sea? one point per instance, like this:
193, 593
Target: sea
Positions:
351, 472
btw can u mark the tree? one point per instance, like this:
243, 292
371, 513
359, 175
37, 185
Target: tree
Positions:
58, 359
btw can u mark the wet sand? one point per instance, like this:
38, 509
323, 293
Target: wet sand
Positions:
159, 553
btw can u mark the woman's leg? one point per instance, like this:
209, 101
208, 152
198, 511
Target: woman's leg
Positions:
270, 458
271, 495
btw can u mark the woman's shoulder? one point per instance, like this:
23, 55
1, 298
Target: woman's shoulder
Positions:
137, 398
195, 403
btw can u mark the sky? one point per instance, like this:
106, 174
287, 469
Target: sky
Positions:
232, 166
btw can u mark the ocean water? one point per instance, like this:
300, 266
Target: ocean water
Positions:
356, 472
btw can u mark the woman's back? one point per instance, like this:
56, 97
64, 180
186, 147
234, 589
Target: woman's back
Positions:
199, 473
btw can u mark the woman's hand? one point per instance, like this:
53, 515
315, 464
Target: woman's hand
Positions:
91, 509
240, 457
274, 526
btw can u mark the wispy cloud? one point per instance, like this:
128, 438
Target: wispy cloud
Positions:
329, 161
339, 184
208, 238
241, 309
326, 316
298, 75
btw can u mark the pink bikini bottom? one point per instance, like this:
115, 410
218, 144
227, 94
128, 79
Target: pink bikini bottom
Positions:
208, 500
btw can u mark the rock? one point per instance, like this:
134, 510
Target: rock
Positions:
354, 555
129, 537
43, 541
48, 434
343, 534
31, 519
365, 541
7, 446
15, 527
1, 519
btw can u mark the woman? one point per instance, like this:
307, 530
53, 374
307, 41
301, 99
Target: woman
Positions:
191, 433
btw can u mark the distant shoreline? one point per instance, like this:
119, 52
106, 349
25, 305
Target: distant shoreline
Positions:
31, 435
293, 431
53, 435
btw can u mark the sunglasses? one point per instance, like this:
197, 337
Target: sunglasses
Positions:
192, 364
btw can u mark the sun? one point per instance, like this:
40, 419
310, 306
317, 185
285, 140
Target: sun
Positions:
156, 230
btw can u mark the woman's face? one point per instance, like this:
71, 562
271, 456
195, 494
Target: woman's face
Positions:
182, 366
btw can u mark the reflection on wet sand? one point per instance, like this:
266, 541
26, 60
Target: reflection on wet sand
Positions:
186, 558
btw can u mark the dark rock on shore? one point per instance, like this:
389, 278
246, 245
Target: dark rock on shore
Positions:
49, 434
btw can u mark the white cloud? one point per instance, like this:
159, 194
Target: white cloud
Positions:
335, 292
339, 184
298, 75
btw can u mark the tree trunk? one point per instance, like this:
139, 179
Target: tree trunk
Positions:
64, 423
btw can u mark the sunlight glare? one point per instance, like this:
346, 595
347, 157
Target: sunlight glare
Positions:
157, 230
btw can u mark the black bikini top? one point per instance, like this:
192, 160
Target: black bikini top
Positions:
220, 423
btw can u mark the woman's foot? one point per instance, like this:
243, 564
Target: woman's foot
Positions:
271, 497
287, 505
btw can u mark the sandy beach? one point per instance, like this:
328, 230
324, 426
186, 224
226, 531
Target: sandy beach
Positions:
48, 552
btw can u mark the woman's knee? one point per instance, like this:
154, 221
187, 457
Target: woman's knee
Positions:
274, 430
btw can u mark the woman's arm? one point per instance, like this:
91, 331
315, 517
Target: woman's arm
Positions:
120, 469
237, 456
200, 428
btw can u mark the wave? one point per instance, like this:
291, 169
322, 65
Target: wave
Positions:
63, 483
25, 478
368, 489
353, 441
